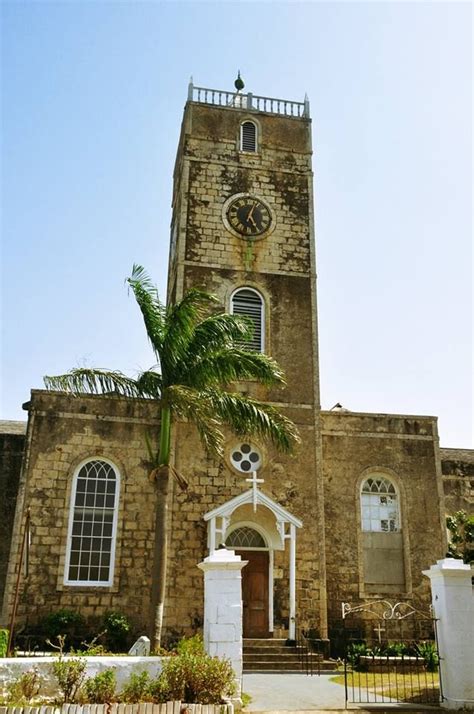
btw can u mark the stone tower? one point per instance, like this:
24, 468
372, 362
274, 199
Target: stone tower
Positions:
243, 229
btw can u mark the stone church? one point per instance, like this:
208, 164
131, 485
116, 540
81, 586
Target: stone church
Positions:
355, 514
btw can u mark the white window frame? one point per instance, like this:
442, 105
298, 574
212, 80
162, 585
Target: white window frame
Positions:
379, 477
262, 312
241, 144
252, 527
72, 507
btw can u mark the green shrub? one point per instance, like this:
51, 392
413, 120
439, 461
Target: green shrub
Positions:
194, 677
137, 689
429, 652
396, 649
190, 675
25, 688
70, 673
355, 651
63, 622
3, 642
117, 629
191, 645
101, 688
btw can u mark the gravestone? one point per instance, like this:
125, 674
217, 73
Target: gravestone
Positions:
140, 648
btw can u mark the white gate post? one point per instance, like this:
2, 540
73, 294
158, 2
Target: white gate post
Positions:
223, 607
453, 607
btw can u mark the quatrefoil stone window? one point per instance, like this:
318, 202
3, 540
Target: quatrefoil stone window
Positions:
246, 457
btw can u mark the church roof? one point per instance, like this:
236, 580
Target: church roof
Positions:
12, 427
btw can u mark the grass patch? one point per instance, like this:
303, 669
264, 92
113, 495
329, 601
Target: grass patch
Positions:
413, 688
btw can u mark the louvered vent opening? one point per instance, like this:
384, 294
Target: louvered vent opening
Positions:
248, 303
249, 136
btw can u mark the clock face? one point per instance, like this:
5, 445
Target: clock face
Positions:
249, 216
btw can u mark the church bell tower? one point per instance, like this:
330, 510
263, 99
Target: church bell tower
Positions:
243, 229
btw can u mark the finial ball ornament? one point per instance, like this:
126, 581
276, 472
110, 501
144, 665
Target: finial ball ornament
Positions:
239, 83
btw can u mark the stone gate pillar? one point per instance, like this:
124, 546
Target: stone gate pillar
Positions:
223, 607
453, 607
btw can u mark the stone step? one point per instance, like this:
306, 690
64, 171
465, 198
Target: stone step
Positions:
267, 650
267, 641
270, 656
266, 666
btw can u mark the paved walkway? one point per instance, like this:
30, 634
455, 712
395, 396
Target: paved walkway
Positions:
282, 693
292, 692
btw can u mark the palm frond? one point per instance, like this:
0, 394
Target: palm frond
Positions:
152, 449
153, 311
247, 417
233, 365
93, 381
216, 332
181, 322
191, 404
150, 384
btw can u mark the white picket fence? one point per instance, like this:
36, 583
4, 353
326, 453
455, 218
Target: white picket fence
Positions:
145, 708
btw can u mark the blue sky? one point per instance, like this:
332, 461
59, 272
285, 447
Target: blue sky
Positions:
92, 99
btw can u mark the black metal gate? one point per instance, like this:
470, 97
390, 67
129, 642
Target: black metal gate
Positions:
390, 654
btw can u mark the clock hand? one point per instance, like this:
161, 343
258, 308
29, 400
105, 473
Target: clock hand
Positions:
252, 220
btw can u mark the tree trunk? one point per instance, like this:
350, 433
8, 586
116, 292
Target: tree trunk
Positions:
160, 557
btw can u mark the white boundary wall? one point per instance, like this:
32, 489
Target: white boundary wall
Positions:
12, 667
453, 607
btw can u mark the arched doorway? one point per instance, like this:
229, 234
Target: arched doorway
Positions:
251, 546
277, 527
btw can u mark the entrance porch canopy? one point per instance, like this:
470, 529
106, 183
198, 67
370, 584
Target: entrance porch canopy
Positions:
257, 497
286, 525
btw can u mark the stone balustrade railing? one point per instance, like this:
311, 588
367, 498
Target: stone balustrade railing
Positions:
248, 101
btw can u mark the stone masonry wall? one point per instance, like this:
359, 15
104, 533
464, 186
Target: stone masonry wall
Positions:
457, 466
63, 432
12, 442
210, 169
213, 483
405, 449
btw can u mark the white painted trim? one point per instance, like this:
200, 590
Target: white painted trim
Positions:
271, 624
378, 475
254, 526
257, 137
262, 310
92, 583
292, 619
280, 513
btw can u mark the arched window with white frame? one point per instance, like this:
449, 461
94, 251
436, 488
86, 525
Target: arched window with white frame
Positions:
379, 505
92, 524
248, 137
383, 555
249, 303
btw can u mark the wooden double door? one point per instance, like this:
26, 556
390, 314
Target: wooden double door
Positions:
255, 593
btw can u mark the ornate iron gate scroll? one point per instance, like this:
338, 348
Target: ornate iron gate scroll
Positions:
390, 654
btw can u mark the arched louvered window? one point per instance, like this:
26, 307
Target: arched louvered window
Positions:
245, 537
379, 504
92, 525
248, 136
249, 302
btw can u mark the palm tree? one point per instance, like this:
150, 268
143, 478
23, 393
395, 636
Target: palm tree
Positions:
198, 354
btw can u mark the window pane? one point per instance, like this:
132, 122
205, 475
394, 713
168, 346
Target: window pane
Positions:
92, 518
245, 537
379, 510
